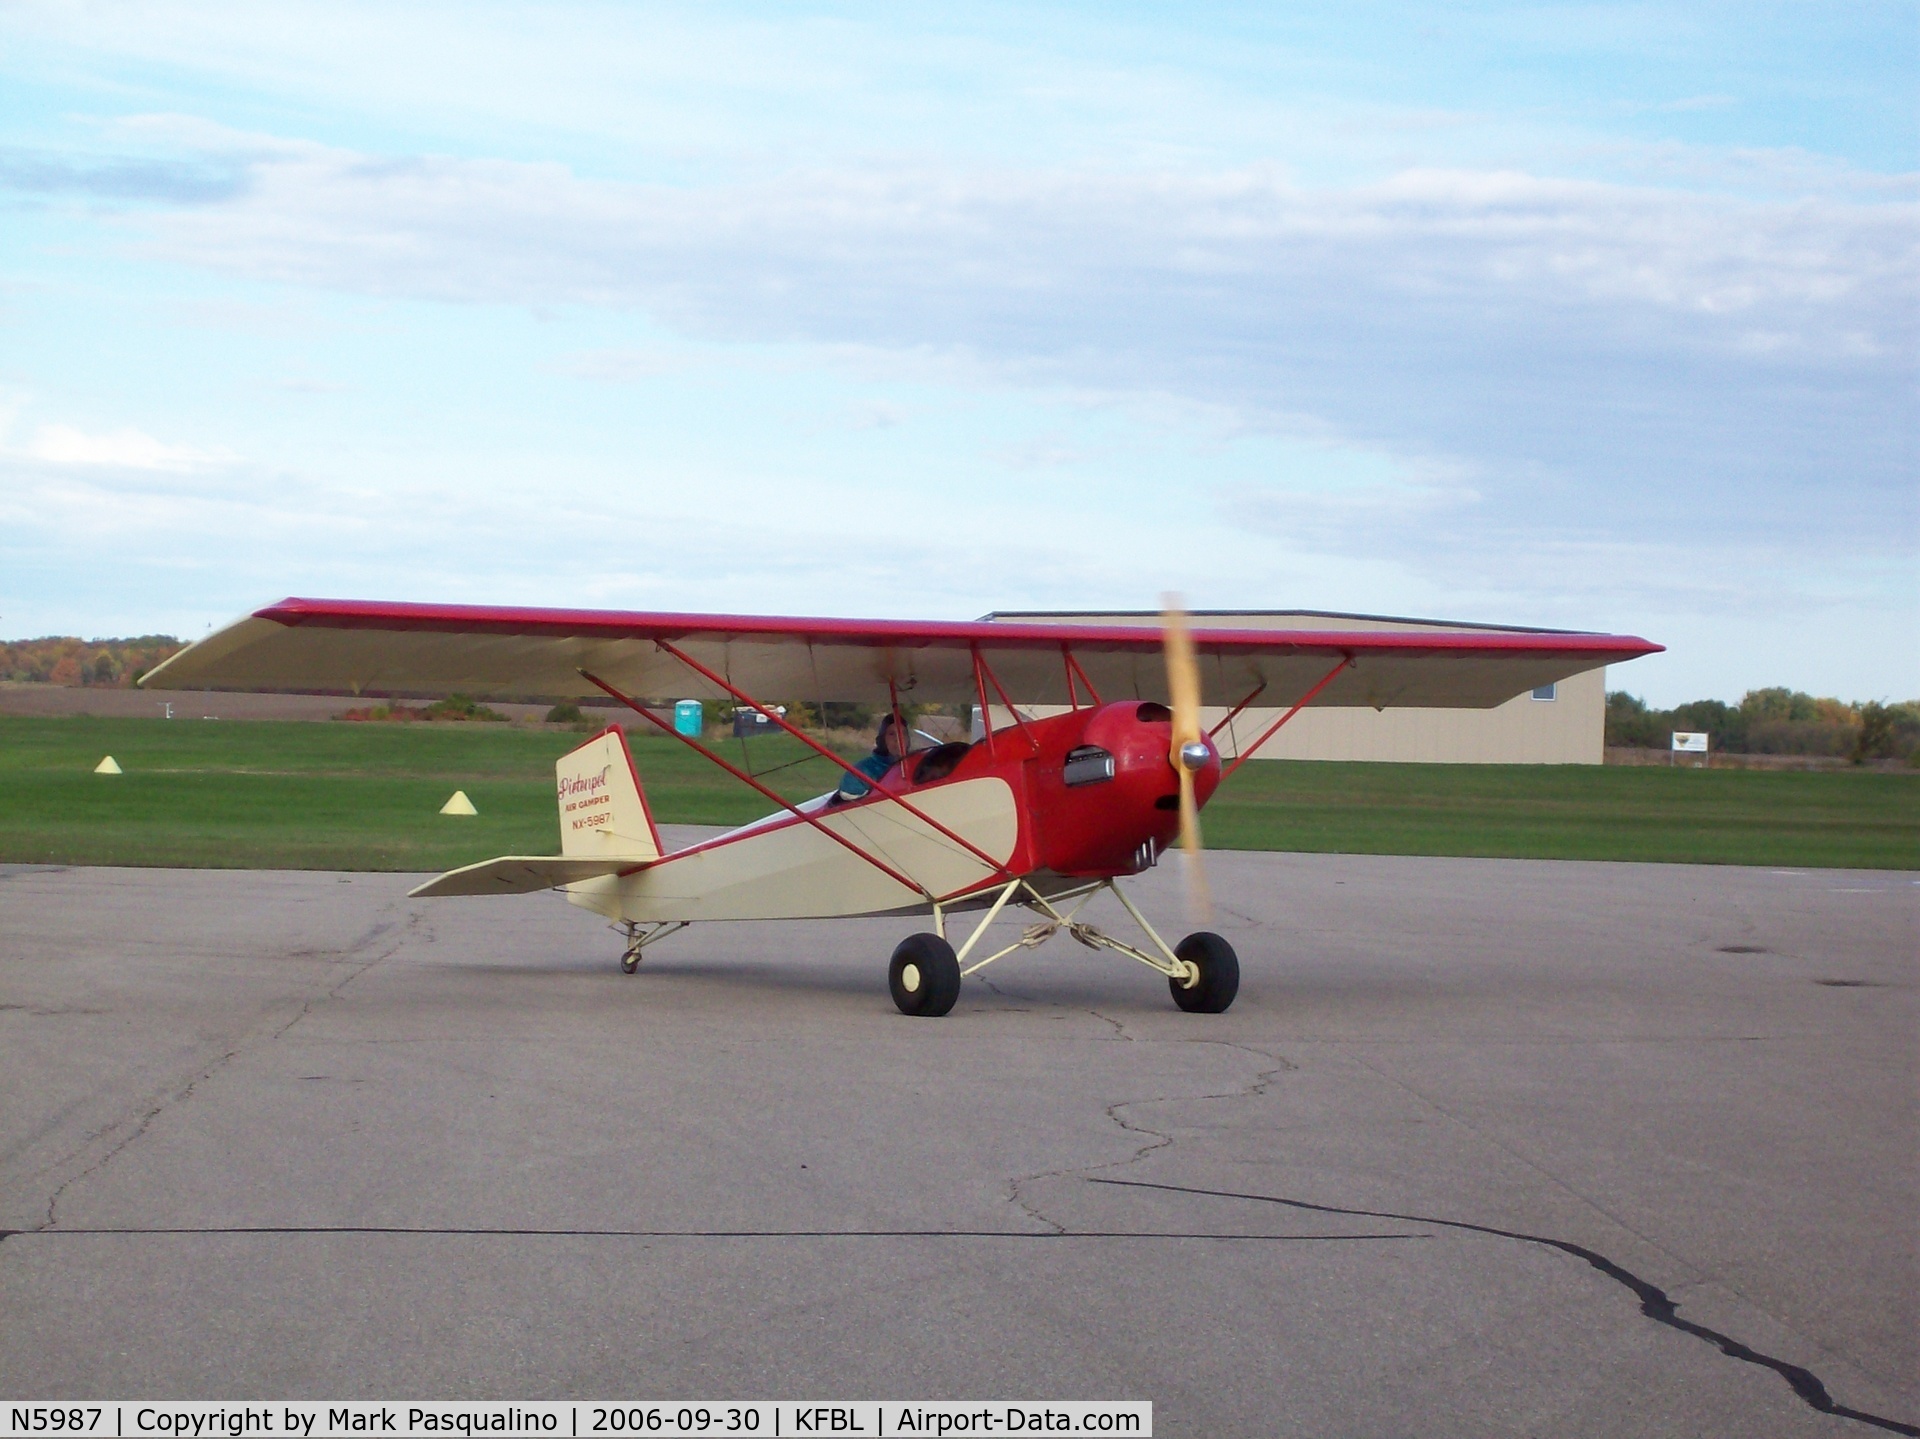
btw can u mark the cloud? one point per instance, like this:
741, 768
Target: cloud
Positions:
876, 415
1554, 362
197, 180
236, 538
1685, 105
1379, 517
122, 449
632, 364
1049, 452
1584, 350
820, 252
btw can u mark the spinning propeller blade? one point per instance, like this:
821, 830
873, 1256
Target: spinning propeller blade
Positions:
1189, 751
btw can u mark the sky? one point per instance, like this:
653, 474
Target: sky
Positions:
1591, 316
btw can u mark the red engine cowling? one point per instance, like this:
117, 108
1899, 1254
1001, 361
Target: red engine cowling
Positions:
1106, 799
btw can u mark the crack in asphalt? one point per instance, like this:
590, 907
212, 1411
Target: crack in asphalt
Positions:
153, 1112
1016, 1195
1262, 1082
1287, 1066
1654, 1302
1525, 1160
1016, 1187
1018, 1007
181, 1094
1568, 1187
414, 922
1160, 1139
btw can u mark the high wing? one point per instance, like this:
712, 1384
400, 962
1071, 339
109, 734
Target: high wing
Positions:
372, 648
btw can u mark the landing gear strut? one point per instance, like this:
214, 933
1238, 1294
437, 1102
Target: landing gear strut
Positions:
639, 936
1202, 971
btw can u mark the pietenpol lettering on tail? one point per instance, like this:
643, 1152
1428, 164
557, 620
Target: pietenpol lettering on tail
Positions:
601, 809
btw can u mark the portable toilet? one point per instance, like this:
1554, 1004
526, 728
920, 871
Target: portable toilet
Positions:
688, 717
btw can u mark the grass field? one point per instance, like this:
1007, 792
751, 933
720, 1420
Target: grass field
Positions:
351, 796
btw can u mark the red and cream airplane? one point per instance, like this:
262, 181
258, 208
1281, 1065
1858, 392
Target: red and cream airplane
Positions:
1044, 813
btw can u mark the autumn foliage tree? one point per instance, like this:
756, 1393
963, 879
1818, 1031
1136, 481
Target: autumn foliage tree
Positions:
65, 660
1773, 721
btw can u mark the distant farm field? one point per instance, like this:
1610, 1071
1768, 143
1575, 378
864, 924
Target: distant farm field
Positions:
267, 795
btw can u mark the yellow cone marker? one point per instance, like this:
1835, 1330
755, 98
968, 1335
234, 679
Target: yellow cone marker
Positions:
459, 804
107, 766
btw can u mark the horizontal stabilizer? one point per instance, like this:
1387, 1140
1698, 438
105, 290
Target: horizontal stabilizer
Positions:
524, 873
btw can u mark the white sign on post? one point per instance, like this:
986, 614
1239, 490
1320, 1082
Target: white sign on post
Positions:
1684, 743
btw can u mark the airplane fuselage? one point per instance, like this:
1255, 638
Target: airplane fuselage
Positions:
1096, 792
1076, 797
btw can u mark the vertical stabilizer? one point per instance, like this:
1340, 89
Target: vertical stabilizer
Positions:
603, 812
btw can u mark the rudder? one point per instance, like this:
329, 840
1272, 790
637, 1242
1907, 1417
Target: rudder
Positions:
603, 811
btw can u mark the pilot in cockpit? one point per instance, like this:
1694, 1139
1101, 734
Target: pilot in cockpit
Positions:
888, 746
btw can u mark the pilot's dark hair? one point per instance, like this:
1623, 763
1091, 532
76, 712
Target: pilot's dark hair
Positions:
880, 736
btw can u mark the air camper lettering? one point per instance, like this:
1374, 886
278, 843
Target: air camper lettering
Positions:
586, 799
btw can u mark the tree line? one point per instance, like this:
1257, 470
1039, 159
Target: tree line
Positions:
65, 660
1773, 721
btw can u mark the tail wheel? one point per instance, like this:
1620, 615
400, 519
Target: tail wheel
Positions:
1216, 977
924, 976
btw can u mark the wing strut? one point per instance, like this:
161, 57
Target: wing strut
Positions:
1234, 713
1083, 677
1274, 728
1073, 668
981, 667
740, 774
986, 710
968, 845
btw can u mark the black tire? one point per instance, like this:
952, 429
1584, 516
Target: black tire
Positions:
629, 963
1219, 978
924, 976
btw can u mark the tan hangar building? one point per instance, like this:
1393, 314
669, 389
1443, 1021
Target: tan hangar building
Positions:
1560, 724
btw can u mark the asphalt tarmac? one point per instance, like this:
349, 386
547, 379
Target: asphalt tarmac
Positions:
1485, 1148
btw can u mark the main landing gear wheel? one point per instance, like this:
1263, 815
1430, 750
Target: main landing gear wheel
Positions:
924, 976
630, 961
1216, 979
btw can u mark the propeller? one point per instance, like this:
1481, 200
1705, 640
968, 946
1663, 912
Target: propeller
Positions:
1189, 752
